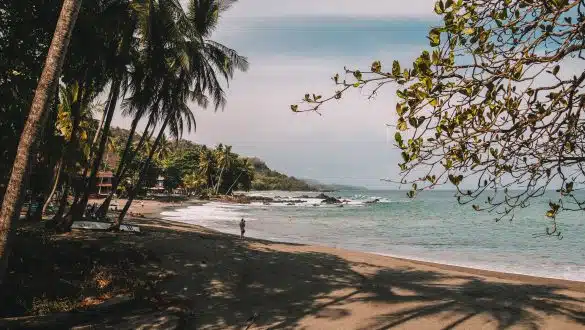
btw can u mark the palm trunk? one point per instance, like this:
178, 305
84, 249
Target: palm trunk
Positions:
234, 183
143, 171
123, 165
114, 93
46, 88
76, 113
62, 204
99, 130
219, 180
56, 181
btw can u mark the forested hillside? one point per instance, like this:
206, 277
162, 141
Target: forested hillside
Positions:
198, 168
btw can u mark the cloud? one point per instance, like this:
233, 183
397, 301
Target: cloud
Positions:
291, 55
322, 36
347, 8
347, 144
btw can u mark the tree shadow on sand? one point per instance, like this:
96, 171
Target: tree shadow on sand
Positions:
229, 283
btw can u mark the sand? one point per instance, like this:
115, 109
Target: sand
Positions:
231, 283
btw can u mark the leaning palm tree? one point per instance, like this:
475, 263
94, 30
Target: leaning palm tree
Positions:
185, 66
43, 94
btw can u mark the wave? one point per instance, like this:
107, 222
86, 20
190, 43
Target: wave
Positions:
275, 223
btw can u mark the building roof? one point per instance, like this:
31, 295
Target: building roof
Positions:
105, 174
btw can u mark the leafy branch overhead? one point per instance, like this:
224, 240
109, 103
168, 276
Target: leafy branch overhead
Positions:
492, 105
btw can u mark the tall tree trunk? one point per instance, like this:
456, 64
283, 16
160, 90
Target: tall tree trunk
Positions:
81, 205
126, 159
99, 129
143, 171
56, 182
62, 203
68, 150
234, 183
219, 180
46, 87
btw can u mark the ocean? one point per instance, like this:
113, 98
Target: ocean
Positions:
433, 227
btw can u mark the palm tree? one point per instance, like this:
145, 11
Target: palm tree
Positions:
224, 159
74, 124
123, 46
43, 94
206, 166
184, 65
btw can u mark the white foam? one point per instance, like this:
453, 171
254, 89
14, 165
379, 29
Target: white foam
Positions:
209, 212
546, 271
224, 217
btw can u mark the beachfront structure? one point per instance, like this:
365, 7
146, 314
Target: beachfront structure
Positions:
104, 182
159, 187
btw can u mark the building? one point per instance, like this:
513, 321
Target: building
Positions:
104, 182
159, 187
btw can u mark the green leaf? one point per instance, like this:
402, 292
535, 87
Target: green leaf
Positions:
358, 75
469, 31
399, 109
439, 7
402, 126
556, 70
376, 66
398, 138
518, 71
396, 68
435, 37
456, 180
294, 108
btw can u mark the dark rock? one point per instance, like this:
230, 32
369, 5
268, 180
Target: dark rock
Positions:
328, 199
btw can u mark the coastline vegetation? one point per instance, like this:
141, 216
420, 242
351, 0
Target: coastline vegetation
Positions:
153, 61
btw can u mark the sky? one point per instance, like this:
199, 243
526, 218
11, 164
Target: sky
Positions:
295, 47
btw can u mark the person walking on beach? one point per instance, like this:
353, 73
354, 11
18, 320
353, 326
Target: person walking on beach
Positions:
242, 228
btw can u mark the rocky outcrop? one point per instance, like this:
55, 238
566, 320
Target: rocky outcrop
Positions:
328, 199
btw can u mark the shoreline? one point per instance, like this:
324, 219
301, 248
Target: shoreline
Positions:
569, 284
157, 213
213, 280
347, 289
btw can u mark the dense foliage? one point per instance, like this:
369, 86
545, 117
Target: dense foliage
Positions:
190, 168
156, 57
495, 107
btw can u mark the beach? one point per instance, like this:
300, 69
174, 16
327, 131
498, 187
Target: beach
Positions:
220, 281
286, 285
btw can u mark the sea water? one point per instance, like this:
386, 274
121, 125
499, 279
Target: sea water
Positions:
433, 227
